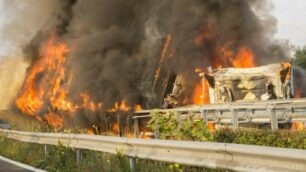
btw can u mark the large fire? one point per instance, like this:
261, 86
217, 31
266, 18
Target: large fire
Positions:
44, 84
45, 89
45, 93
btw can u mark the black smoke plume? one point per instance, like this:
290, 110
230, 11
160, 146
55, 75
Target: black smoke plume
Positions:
116, 45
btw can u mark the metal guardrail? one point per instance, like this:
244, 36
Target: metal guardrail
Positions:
204, 154
273, 111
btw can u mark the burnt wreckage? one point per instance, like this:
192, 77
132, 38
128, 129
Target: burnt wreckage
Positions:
268, 82
273, 81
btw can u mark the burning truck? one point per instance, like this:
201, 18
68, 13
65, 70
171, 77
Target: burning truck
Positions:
268, 82
225, 85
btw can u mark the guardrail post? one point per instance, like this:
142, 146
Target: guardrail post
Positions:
235, 118
178, 118
45, 151
78, 156
132, 162
136, 127
204, 114
119, 124
156, 132
218, 114
249, 113
273, 118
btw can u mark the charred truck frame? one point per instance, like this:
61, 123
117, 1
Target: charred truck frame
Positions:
268, 82
274, 81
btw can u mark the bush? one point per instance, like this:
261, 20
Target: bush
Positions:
280, 138
300, 60
188, 129
196, 130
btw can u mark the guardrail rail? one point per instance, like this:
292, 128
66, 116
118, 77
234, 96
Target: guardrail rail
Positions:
260, 112
203, 154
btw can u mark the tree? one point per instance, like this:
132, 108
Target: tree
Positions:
300, 60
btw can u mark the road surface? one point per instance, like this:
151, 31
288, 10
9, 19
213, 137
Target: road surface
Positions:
7, 165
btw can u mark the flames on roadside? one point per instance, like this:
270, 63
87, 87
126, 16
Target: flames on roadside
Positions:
45, 94
297, 126
120, 107
43, 85
45, 91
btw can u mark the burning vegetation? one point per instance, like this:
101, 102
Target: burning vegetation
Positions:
45, 89
104, 57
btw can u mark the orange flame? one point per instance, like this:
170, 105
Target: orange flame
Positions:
244, 59
145, 137
137, 108
91, 131
90, 104
211, 127
115, 128
54, 120
201, 94
120, 107
297, 126
44, 84
284, 66
47, 85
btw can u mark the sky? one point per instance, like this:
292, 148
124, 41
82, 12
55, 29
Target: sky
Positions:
19, 21
291, 15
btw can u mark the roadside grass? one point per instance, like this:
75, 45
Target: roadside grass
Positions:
63, 159
280, 138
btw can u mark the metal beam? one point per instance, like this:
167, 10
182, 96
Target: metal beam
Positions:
204, 154
284, 111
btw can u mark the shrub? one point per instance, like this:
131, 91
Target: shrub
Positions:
196, 130
187, 129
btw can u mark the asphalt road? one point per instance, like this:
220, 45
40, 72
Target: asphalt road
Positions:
8, 167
